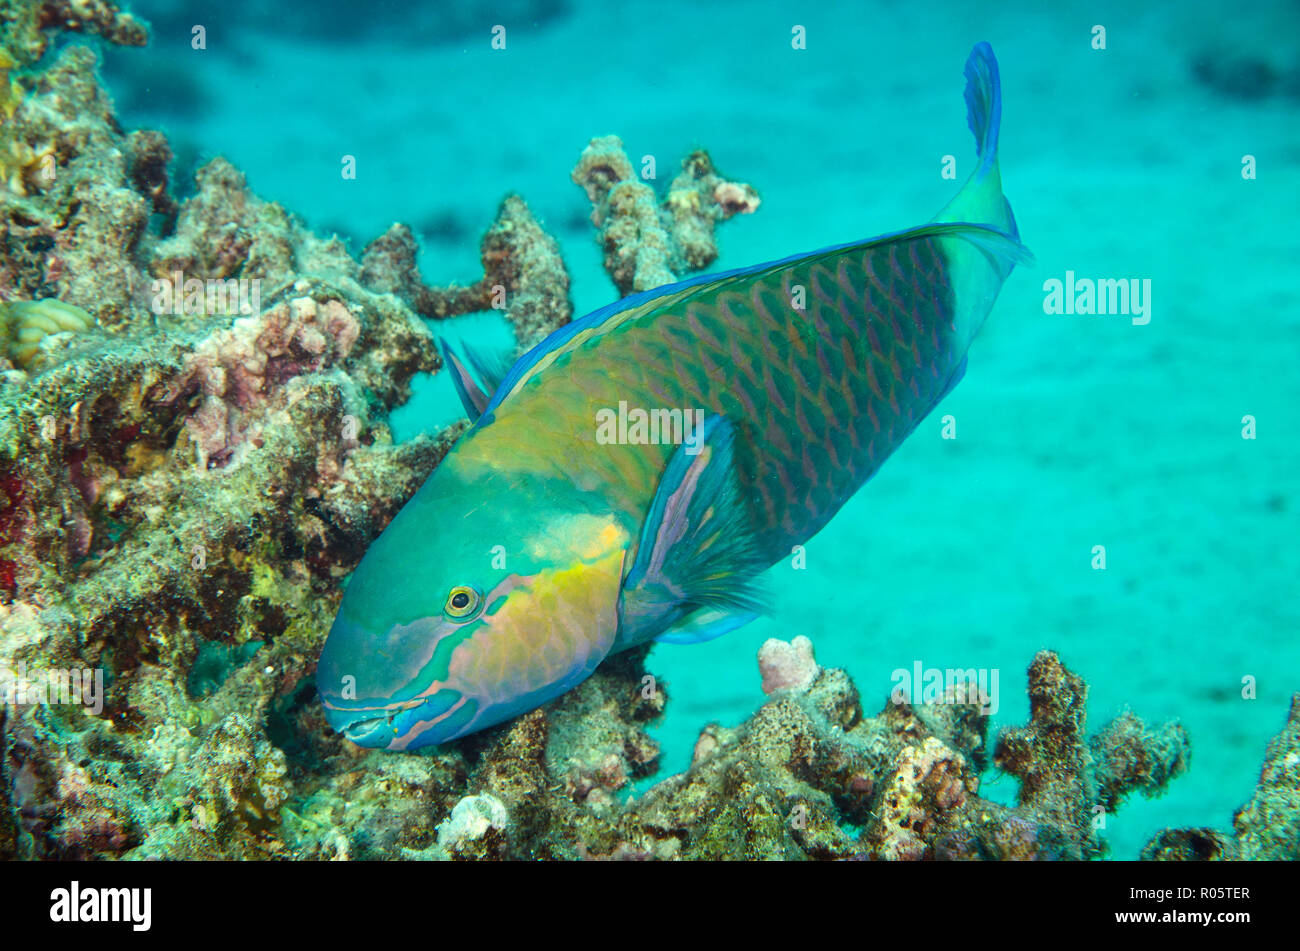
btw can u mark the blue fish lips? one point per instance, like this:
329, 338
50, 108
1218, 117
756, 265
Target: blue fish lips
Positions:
378, 690
403, 726
367, 731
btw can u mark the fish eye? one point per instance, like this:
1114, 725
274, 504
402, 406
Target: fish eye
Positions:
462, 602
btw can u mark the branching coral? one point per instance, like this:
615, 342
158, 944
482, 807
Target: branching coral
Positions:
1127, 756
647, 245
1069, 782
523, 275
807, 776
1266, 828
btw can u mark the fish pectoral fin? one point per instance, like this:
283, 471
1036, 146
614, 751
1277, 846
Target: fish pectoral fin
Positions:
476, 375
697, 547
704, 624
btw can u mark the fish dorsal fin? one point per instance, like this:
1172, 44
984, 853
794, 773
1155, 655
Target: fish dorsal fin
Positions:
595, 324
475, 374
696, 548
635, 306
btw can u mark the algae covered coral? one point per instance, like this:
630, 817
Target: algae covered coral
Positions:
183, 490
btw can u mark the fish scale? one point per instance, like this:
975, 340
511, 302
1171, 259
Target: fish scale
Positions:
800, 458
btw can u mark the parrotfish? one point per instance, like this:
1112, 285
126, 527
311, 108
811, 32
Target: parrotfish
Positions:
628, 478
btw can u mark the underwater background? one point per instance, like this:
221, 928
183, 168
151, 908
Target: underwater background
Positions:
1072, 431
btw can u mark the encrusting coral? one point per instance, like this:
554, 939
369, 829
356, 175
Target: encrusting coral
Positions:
195, 455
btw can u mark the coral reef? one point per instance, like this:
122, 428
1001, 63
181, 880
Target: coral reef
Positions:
194, 453
1266, 828
27, 25
523, 275
807, 776
647, 244
186, 479
1069, 783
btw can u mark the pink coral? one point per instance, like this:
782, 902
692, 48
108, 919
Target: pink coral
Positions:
787, 666
238, 368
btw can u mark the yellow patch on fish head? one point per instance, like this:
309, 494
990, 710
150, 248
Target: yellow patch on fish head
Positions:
543, 635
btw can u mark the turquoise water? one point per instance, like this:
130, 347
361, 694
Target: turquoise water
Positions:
1072, 431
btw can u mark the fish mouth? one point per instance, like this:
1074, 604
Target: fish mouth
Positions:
375, 731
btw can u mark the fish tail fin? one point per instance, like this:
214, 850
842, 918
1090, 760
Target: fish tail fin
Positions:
983, 102
980, 200
976, 274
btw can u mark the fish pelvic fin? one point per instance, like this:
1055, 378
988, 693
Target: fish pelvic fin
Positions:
704, 624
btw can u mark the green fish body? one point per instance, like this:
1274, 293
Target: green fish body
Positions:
632, 474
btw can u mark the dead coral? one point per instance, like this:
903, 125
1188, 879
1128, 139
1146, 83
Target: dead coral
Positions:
646, 245
186, 485
27, 25
1127, 756
808, 776
594, 747
928, 784
790, 783
1049, 755
71, 219
638, 251
1267, 828
523, 275
698, 199
94, 16
235, 369
224, 229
